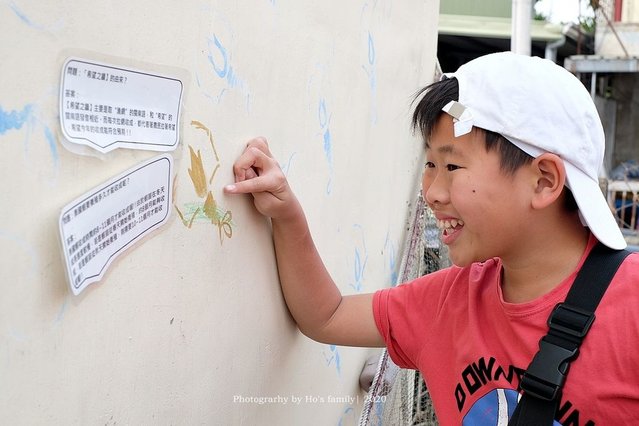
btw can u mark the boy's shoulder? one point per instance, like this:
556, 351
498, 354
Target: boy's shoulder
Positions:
629, 269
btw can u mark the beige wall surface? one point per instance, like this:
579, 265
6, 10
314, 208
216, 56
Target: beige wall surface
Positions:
608, 44
630, 11
189, 326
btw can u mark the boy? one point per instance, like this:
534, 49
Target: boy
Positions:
513, 147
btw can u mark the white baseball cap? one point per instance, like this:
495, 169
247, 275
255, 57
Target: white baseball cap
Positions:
540, 107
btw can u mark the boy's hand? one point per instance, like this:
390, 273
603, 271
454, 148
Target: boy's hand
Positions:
257, 172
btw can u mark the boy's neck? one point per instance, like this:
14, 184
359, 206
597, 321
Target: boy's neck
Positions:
544, 265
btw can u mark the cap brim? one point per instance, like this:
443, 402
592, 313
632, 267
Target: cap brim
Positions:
594, 208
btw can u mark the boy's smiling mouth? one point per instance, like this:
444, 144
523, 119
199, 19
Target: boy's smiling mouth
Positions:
449, 226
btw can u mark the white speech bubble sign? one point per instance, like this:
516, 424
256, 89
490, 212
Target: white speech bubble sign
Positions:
107, 107
102, 224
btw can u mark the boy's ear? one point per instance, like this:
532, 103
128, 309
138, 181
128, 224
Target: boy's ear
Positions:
550, 175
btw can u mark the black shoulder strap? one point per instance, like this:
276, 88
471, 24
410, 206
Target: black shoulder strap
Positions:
568, 324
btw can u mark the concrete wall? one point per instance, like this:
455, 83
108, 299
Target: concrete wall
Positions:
625, 92
189, 325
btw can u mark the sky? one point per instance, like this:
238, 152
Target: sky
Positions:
563, 11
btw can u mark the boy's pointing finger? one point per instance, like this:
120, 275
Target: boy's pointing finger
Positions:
254, 185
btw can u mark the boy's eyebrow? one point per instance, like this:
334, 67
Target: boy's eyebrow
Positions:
447, 149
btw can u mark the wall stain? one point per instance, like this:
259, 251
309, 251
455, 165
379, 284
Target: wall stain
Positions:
208, 209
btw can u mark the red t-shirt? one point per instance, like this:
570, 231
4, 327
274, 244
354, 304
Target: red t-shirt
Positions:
471, 346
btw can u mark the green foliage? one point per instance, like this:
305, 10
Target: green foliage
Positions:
588, 24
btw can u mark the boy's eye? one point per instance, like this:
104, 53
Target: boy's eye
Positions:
449, 167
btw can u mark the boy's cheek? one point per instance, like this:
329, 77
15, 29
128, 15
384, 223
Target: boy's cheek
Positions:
426, 183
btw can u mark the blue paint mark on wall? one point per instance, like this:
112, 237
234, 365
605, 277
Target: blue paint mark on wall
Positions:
324, 122
287, 166
28, 118
389, 249
223, 70
370, 68
334, 358
348, 416
219, 57
14, 120
61, 311
222, 65
359, 270
48, 134
24, 18
371, 49
359, 263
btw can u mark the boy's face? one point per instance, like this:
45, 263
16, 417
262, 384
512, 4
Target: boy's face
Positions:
481, 208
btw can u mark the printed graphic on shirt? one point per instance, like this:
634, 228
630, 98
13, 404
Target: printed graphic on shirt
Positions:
495, 408
480, 373
500, 403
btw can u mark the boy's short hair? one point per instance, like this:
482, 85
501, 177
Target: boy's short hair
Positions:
539, 107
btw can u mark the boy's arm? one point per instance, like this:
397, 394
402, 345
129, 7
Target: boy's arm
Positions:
315, 302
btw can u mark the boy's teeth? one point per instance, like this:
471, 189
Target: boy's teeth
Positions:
449, 224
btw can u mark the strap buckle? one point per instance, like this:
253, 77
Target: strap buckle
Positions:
571, 320
547, 372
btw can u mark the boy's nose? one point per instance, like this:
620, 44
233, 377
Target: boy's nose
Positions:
434, 190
